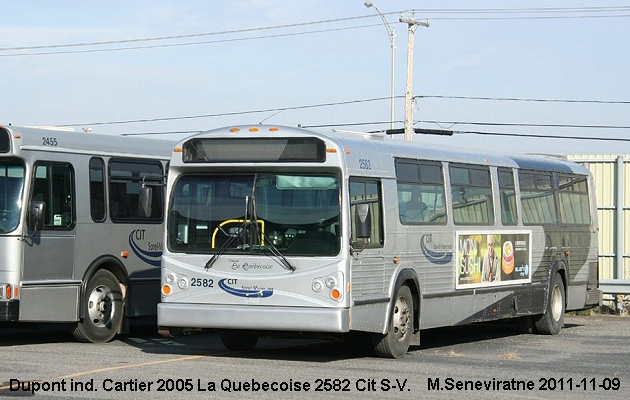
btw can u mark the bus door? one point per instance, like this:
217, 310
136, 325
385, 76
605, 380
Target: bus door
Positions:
366, 237
49, 249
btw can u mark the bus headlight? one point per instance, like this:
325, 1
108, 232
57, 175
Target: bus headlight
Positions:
183, 283
170, 279
330, 286
331, 282
317, 286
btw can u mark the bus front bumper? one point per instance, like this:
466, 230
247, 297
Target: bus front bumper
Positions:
304, 319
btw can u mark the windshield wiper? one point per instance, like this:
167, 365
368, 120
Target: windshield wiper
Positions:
272, 248
228, 243
225, 247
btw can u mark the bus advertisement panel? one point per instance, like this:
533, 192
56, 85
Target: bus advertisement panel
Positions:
493, 259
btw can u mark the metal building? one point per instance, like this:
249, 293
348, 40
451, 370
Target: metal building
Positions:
612, 182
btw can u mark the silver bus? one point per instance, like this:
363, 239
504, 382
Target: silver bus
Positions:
76, 244
282, 229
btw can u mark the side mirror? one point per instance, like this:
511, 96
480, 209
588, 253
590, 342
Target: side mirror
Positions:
145, 199
36, 216
363, 220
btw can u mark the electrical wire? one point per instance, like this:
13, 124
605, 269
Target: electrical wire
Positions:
463, 11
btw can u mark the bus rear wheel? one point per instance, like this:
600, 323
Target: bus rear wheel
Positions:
395, 343
552, 321
103, 309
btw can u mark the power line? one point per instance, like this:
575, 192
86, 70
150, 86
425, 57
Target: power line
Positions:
225, 114
348, 102
522, 99
463, 11
186, 36
538, 136
453, 123
155, 46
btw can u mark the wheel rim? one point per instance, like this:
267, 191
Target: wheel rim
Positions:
556, 304
101, 306
401, 319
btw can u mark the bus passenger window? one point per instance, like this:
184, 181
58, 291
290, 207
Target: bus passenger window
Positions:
471, 191
507, 193
420, 186
97, 189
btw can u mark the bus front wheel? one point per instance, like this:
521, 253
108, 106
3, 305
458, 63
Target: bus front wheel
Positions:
395, 343
103, 309
552, 321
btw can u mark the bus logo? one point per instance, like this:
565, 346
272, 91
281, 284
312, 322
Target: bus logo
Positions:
435, 257
151, 257
248, 293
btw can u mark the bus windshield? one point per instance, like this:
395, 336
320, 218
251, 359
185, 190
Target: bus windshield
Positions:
255, 213
11, 183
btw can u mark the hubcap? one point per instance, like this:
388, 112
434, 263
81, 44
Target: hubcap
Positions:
402, 318
556, 304
100, 306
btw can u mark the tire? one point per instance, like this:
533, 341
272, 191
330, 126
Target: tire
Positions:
103, 302
395, 343
552, 321
237, 340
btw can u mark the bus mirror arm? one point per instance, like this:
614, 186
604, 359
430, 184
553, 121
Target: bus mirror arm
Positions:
35, 218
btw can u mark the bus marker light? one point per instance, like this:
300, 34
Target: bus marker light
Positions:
274, 129
335, 294
16, 292
234, 130
348, 151
166, 290
8, 292
124, 254
331, 150
396, 260
177, 150
253, 129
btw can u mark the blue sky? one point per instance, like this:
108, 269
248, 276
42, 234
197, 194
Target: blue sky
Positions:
234, 65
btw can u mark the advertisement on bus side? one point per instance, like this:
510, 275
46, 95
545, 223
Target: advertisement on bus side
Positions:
493, 259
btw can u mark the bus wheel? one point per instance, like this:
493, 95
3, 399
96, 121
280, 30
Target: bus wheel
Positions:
396, 342
552, 321
104, 309
237, 340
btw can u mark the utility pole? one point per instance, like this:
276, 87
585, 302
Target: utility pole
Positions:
412, 25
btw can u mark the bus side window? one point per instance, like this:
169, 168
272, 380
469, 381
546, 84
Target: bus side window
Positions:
471, 192
97, 189
366, 192
537, 198
507, 193
573, 200
54, 185
420, 186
